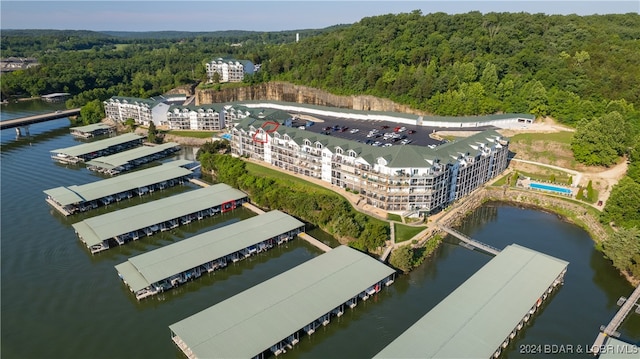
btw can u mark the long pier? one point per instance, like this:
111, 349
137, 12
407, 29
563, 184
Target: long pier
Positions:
29, 120
469, 241
611, 329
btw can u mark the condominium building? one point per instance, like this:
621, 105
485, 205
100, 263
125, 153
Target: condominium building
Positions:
400, 178
229, 70
204, 118
142, 111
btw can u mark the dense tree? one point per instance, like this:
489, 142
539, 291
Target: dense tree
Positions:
622, 206
92, 112
601, 141
623, 248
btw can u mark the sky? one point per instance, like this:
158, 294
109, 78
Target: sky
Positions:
265, 15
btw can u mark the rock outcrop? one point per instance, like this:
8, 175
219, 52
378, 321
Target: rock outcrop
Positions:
283, 91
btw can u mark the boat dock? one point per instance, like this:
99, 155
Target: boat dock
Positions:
481, 317
93, 130
128, 160
116, 228
89, 151
74, 199
173, 265
610, 331
290, 305
469, 242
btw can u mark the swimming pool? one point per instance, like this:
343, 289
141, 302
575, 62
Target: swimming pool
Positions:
550, 188
226, 136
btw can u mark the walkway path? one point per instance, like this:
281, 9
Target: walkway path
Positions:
612, 327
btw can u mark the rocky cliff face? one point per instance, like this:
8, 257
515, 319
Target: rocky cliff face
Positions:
282, 91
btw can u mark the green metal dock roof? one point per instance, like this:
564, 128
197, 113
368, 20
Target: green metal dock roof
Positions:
122, 158
252, 321
147, 268
617, 349
92, 127
85, 148
99, 189
474, 320
97, 229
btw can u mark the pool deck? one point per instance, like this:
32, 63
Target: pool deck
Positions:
526, 183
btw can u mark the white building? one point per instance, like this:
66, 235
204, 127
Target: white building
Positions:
229, 70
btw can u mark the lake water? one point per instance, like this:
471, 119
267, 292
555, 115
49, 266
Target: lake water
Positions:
59, 301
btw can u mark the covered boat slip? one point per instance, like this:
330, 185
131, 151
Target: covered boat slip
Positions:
125, 161
270, 315
96, 129
145, 219
73, 199
169, 266
480, 317
96, 149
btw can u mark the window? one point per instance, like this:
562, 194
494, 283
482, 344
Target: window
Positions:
339, 150
319, 145
307, 142
352, 153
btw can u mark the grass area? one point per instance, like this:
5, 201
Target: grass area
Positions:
194, 134
394, 217
221, 86
548, 175
502, 180
563, 137
120, 47
405, 233
551, 148
263, 171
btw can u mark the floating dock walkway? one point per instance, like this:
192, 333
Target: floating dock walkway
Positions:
93, 130
30, 120
269, 318
128, 160
116, 228
470, 243
89, 151
74, 199
170, 266
481, 317
611, 329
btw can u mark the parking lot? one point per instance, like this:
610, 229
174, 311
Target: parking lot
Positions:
361, 131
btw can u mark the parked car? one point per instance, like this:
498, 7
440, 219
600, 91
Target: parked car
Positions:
354, 130
411, 132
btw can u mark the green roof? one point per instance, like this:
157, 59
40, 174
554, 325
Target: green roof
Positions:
122, 158
474, 320
396, 156
178, 257
617, 349
149, 102
92, 127
99, 189
97, 229
95, 146
398, 115
252, 321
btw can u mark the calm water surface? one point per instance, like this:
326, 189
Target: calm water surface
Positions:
58, 301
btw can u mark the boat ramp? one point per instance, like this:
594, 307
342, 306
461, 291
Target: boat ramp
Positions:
89, 151
93, 130
269, 318
74, 199
128, 160
167, 267
116, 228
481, 317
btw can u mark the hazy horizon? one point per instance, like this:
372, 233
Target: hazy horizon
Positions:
263, 16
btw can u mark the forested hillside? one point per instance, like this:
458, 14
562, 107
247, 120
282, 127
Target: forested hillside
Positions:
569, 67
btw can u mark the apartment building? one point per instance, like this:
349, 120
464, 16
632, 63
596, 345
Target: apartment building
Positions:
229, 70
121, 109
400, 178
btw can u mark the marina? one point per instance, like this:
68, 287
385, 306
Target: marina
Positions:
81, 198
164, 268
93, 130
128, 160
89, 151
294, 303
116, 228
482, 316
